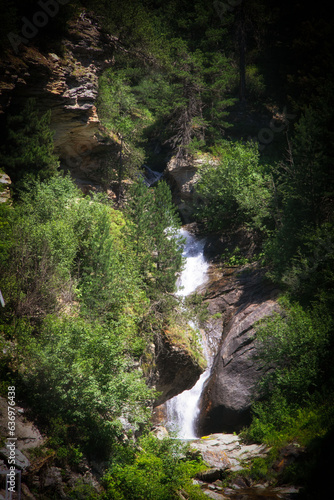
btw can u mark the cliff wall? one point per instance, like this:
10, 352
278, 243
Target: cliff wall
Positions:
66, 82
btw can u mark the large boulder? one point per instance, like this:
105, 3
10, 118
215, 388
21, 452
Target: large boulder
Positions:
226, 451
178, 366
243, 300
26, 433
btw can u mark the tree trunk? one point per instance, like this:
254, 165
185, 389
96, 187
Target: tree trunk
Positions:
120, 173
241, 35
242, 48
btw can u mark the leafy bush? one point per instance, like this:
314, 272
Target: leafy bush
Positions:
79, 372
293, 347
234, 189
153, 232
155, 470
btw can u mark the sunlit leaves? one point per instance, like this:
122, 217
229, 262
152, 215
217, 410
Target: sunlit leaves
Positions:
234, 188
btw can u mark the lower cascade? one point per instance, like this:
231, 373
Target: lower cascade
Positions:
183, 409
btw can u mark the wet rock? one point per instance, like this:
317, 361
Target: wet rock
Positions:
210, 475
240, 482
215, 495
288, 492
161, 432
182, 175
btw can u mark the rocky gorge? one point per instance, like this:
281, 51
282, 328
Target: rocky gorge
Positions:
236, 297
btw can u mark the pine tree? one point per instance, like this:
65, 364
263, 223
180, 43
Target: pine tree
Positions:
168, 245
29, 145
154, 233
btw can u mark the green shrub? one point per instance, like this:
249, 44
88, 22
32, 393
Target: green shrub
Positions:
234, 189
78, 372
293, 348
156, 470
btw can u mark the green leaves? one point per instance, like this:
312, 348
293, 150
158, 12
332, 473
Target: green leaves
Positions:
295, 345
78, 371
233, 188
158, 469
85, 261
296, 392
153, 232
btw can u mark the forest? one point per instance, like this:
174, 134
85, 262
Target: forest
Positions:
89, 282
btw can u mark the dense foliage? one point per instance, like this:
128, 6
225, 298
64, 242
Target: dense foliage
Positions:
294, 348
77, 290
234, 188
28, 148
88, 286
157, 469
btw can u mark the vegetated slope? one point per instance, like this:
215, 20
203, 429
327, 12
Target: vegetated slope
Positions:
178, 70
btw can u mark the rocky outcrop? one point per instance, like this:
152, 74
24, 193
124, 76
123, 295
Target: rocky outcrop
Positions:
240, 299
177, 369
226, 453
38, 470
182, 175
27, 435
66, 83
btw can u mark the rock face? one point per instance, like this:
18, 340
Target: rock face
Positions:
225, 453
67, 84
38, 470
182, 175
28, 436
5, 182
176, 369
242, 300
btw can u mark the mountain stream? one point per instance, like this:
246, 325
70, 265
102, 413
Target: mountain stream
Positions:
183, 409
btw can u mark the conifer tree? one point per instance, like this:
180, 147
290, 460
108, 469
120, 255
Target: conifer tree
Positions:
168, 245
154, 235
29, 146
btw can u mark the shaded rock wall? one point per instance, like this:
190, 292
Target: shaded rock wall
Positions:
176, 369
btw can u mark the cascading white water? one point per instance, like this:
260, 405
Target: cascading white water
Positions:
183, 410
195, 269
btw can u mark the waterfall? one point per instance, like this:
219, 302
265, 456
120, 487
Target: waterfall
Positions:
150, 177
183, 409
